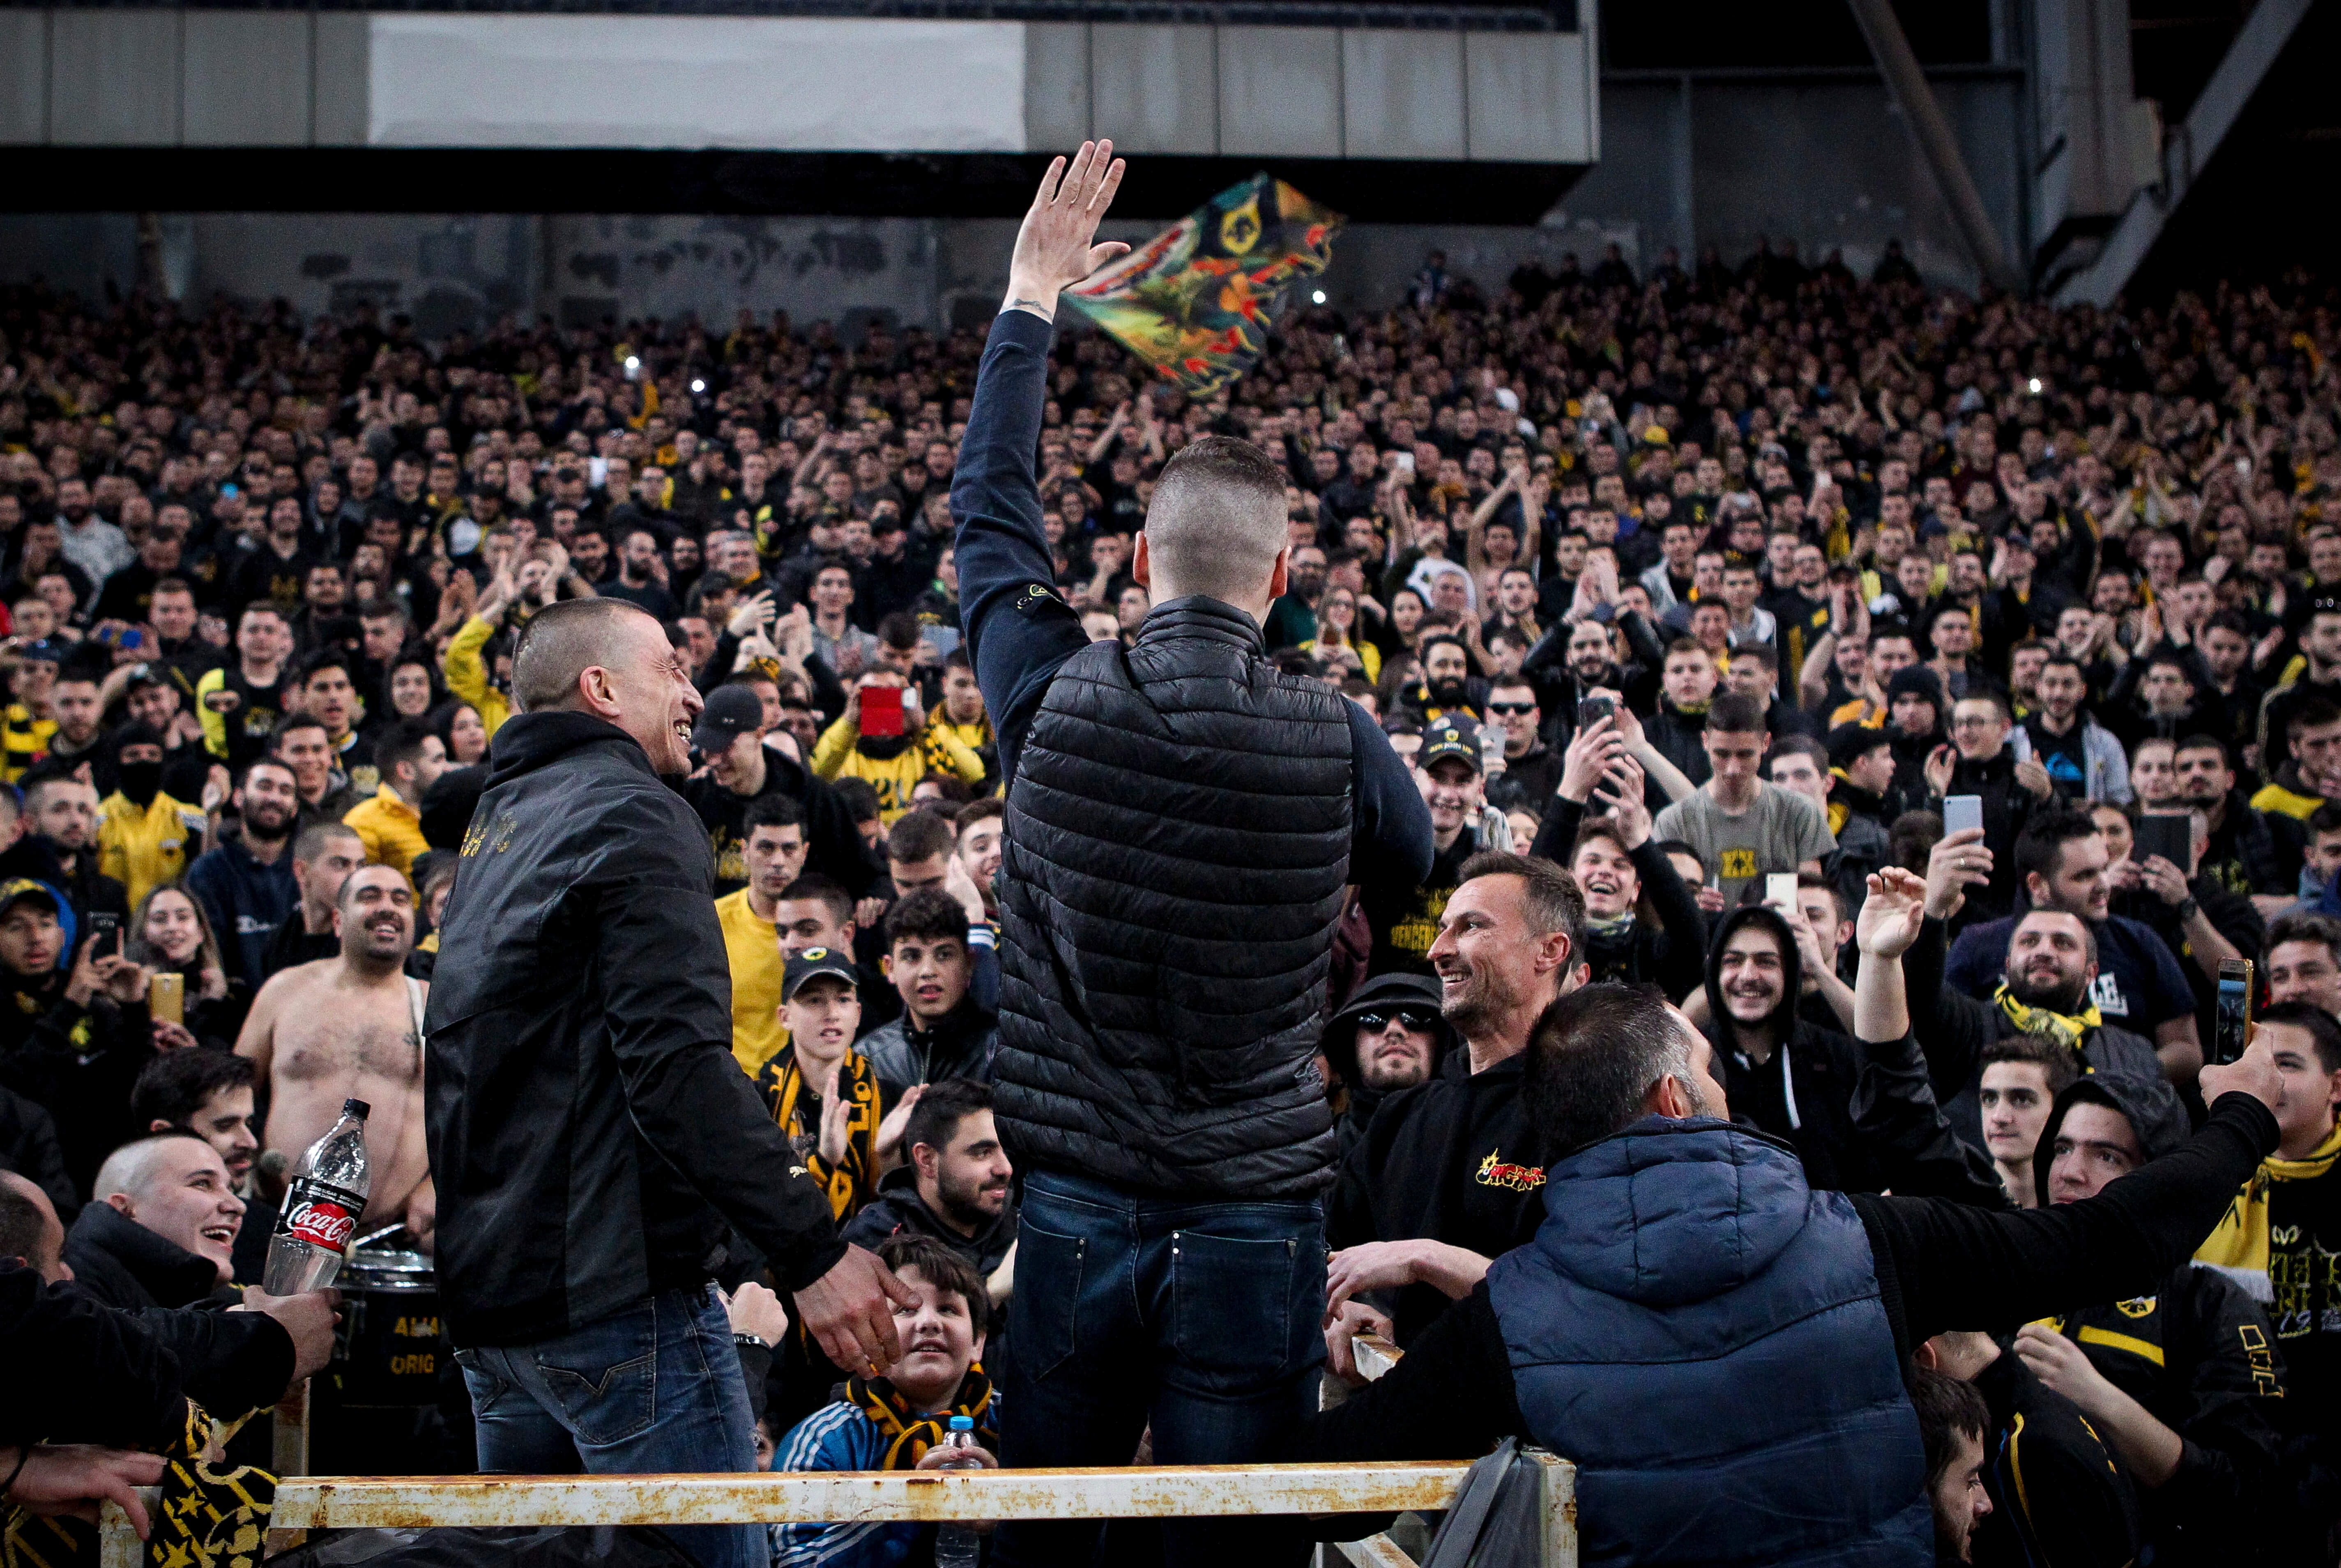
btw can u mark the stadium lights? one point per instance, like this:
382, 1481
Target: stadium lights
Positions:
2035, 384
698, 386
634, 363
1317, 297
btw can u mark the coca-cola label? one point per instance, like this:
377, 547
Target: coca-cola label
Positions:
321, 1214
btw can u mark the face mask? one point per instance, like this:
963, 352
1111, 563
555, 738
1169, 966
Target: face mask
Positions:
140, 781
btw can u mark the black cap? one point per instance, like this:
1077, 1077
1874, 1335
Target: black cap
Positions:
18, 888
730, 712
1448, 740
357, 1108
816, 961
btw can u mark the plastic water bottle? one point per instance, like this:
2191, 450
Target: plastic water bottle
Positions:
322, 1206
956, 1546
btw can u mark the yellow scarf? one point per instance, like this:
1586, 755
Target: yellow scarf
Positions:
2239, 1246
909, 1434
852, 1181
2068, 1029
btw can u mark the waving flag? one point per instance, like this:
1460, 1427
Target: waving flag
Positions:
1196, 300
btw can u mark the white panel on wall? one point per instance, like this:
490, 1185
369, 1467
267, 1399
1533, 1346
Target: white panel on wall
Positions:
114, 78
24, 77
1152, 88
1530, 97
341, 89
1402, 94
1056, 86
246, 79
1281, 92
775, 82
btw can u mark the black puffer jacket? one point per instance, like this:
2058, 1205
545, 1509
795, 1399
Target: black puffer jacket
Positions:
1178, 840
588, 1128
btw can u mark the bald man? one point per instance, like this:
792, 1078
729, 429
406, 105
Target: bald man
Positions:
1181, 822
593, 1141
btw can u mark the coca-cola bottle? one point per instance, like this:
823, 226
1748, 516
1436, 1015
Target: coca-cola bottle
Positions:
322, 1206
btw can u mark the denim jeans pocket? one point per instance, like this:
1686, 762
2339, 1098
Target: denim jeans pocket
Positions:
1048, 1297
1232, 1308
604, 1405
483, 1379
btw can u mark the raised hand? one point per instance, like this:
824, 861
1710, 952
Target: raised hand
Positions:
1053, 246
1890, 916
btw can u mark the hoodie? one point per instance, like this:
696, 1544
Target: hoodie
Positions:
1803, 1093
2198, 1355
1339, 1044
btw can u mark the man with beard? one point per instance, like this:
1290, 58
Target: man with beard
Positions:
2311, 775
2044, 989
1531, 768
1448, 1175
955, 1186
1292, 619
1405, 920
1389, 1036
2246, 855
245, 883
2081, 755
2061, 861
2318, 683
62, 813
351, 1027
145, 837
1592, 666
1448, 690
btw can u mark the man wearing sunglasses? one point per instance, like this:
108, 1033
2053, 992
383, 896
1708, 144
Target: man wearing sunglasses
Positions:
1390, 1037
1531, 768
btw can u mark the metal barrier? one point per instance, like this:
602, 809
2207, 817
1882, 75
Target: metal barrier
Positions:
842, 1497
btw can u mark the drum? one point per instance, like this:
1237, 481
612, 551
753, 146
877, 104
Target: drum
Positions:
375, 1408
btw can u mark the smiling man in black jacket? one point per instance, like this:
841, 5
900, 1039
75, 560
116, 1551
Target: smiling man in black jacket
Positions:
593, 1139
1720, 1348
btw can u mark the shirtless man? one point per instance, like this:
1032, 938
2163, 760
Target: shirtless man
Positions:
348, 1028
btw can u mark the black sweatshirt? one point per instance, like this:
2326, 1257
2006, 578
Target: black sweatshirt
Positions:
1940, 1267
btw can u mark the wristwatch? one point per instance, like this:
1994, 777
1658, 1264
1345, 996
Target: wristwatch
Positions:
2185, 909
749, 1342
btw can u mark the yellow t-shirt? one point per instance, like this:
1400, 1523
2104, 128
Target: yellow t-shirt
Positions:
753, 947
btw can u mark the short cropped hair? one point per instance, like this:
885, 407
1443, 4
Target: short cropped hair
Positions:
774, 810
1555, 901
1217, 518
2040, 847
1734, 714
1947, 1409
312, 841
130, 1168
1592, 1058
559, 643
920, 835
2302, 925
2323, 1031
825, 891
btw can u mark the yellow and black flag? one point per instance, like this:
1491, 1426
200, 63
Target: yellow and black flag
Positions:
1196, 300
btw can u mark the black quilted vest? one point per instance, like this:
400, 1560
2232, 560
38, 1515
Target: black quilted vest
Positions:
1178, 839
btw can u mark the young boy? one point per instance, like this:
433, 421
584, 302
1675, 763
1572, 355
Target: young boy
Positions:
2022, 1076
823, 1094
934, 955
897, 1422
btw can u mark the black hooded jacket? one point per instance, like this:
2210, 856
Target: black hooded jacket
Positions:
1803, 1093
1666, 955
589, 1131
2198, 1355
1339, 1044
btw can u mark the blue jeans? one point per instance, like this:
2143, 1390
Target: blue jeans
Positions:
1199, 1317
654, 1390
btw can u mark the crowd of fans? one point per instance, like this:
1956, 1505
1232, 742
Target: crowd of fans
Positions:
1689, 599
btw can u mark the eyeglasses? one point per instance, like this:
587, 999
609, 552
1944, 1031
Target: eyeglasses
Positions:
1413, 1018
1506, 709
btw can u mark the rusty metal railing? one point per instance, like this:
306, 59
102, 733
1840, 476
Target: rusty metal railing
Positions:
820, 1497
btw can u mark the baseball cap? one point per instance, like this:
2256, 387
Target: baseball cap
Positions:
811, 961
1449, 741
18, 888
730, 712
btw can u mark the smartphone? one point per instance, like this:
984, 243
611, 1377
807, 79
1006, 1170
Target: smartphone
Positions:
133, 639
1780, 888
2231, 1030
167, 998
2168, 834
1961, 812
106, 926
1403, 461
1591, 711
882, 711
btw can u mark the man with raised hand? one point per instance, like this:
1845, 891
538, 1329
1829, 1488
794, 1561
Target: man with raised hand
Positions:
1181, 822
